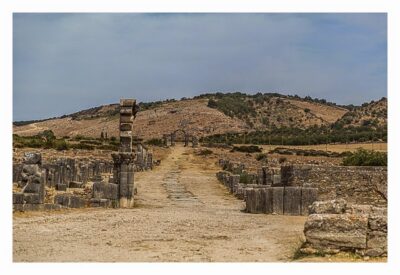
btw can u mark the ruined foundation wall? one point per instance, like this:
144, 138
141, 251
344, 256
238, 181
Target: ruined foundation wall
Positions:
358, 185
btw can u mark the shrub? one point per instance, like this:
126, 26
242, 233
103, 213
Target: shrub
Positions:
110, 147
94, 142
247, 149
261, 157
60, 145
364, 157
81, 146
155, 142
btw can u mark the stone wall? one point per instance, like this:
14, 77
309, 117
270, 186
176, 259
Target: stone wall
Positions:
261, 198
358, 185
66, 170
335, 226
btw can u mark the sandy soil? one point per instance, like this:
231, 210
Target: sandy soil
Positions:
182, 214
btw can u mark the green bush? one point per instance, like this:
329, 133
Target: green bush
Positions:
81, 146
155, 142
108, 147
364, 157
60, 145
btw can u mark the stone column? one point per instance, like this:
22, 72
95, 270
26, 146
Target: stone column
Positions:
124, 160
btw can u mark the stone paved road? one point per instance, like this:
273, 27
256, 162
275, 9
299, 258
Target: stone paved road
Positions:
182, 214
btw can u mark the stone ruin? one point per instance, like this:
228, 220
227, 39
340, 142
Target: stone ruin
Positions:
265, 194
144, 159
295, 187
32, 183
119, 192
170, 139
336, 225
346, 206
70, 177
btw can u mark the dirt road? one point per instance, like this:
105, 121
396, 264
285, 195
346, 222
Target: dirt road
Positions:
182, 214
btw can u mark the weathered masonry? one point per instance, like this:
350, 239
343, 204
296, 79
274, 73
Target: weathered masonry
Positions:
120, 192
337, 225
290, 189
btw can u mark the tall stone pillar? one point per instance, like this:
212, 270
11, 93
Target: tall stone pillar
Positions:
123, 170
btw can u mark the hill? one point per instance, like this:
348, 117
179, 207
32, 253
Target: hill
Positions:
208, 115
372, 114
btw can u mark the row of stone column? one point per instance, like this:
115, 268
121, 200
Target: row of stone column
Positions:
66, 170
170, 139
143, 159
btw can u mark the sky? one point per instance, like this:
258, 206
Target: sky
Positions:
63, 63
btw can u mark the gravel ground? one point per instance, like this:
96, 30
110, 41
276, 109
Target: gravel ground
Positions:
182, 214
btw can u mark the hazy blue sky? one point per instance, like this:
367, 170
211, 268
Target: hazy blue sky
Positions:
67, 62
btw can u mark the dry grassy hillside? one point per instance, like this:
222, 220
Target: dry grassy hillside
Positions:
193, 115
295, 113
369, 114
210, 115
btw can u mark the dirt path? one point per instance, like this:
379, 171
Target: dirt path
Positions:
182, 214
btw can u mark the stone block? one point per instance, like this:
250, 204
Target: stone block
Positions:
260, 207
18, 207
75, 184
292, 201
32, 207
62, 199
69, 201
103, 190
308, 197
125, 127
337, 231
268, 200
127, 102
125, 134
61, 187
126, 111
76, 202
328, 207
286, 175
358, 209
18, 198
254, 201
377, 223
376, 243
31, 188
277, 200
125, 119
31, 198
276, 180
249, 198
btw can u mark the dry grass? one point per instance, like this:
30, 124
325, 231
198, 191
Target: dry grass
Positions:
382, 147
325, 112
